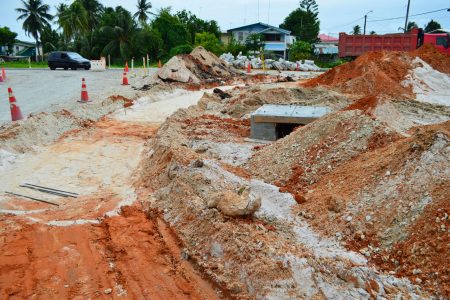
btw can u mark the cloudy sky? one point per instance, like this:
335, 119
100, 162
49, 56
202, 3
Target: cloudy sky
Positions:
335, 15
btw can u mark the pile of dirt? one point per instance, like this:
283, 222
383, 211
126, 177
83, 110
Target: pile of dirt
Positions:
194, 166
201, 66
246, 100
304, 156
380, 192
383, 72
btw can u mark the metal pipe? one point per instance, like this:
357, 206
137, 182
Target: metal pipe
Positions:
61, 191
46, 191
31, 198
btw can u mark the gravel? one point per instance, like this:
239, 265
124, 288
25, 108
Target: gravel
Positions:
40, 90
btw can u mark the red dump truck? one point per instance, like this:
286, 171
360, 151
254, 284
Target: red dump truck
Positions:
355, 45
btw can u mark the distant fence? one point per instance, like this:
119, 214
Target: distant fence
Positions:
98, 65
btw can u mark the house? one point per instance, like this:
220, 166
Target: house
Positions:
275, 39
20, 48
328, 45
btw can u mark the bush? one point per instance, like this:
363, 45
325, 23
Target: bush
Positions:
300, 50
208, 41
234, 47
182, 49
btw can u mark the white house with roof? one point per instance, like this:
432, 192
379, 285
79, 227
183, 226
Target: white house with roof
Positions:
275, 39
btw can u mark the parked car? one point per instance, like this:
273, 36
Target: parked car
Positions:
66, 60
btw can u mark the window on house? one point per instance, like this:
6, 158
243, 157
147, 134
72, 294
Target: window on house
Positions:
240, 36
273, 37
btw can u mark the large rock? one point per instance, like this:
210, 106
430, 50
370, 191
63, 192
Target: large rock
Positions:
176, 70
234, 204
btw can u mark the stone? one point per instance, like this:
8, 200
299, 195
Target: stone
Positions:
107, 291
234, 204
176, 70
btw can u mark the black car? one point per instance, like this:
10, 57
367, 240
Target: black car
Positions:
66, 60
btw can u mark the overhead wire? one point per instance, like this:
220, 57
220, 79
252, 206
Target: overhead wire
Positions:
402, 17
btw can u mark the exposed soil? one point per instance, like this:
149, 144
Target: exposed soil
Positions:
131, 255
375, 73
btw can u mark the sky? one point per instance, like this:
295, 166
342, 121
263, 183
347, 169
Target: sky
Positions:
335, 15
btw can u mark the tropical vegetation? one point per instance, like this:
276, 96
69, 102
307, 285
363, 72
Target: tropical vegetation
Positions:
95, 30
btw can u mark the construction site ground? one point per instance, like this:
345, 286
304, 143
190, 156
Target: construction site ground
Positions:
176, 201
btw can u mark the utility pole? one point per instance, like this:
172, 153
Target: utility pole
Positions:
407, 15
365, 20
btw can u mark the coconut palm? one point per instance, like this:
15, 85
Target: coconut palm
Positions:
143, 10
36, 18
73, 20
120, 34
94, 10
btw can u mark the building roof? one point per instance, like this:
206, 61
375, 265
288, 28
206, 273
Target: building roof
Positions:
326, 38
29, 44
264, 25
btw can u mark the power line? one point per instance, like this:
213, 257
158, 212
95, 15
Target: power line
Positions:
402, 17
343, 25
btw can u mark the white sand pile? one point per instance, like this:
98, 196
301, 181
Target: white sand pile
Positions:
428, 84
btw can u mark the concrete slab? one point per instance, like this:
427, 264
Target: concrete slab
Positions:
267, 121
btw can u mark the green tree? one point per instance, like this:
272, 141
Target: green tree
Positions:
356, 30
73, 20
432, 25
36, 17
208, 41
50, 39
143, 9
120, 34
182, 49
234, 47
254, 42
147, 41
373, 32
94, 11
300, 50
411, 25
304, 21
172, 30
196, 25
7, 38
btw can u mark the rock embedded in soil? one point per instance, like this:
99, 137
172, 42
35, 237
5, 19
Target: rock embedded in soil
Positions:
235, 204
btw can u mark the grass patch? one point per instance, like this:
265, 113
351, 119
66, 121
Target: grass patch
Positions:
23, 64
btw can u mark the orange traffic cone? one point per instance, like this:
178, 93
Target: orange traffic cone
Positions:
84, 93
124, 79
126, 66
159, 64
16, 114
249, 68
3, 73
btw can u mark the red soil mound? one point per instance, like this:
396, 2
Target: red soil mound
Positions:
438, 60
381, 72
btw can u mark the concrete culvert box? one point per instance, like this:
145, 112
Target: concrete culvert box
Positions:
271, 122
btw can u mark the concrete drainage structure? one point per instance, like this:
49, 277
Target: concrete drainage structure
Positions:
271, 122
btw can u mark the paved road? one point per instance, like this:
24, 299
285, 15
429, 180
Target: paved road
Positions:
39, 90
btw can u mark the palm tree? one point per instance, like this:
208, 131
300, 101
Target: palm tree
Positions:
120, 34
94, 10
36, 18
356, 30
143, 10
73, 20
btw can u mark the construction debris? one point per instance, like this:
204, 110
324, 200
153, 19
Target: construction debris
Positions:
242, 61
352, 205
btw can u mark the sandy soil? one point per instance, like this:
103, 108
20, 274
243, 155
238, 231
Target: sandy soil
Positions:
101, 244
